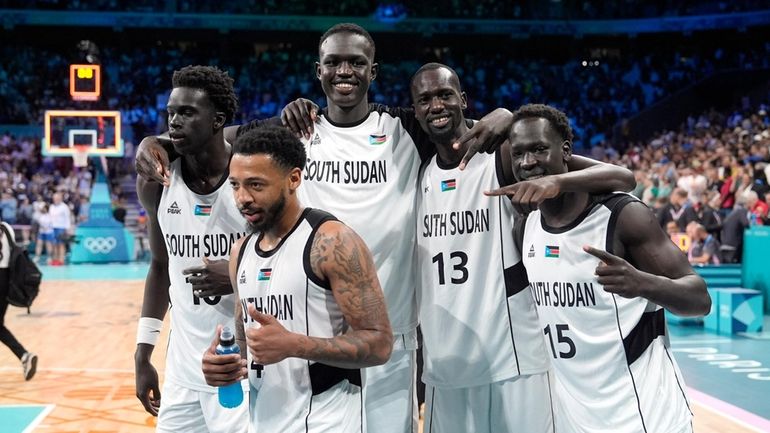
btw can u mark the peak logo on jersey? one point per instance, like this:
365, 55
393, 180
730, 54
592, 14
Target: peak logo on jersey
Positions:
242, 278
316, 140
202, 210
377, 139
174, 209
448, 185
552, 251
264, 274
531, 252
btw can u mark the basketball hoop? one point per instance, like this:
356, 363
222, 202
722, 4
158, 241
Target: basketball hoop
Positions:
80, 156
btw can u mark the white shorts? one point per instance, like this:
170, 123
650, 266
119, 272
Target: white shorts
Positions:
520, 404
390, 397
186, 410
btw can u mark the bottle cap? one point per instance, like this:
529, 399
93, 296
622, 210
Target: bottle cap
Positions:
226, 337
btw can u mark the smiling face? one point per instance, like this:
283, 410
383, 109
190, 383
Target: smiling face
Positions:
537, 150
346, 68
261, 188
438, 104
192, 120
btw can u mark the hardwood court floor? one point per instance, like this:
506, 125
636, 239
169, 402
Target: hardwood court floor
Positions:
84, 334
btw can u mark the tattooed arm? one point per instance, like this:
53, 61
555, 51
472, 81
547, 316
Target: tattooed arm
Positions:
339, 256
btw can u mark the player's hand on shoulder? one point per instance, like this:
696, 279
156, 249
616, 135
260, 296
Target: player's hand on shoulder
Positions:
299, 116
152, 161
527, 196
270, 342
221, 370
486, 135
212, 278
618, 276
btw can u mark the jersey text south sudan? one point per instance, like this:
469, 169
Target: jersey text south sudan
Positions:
347, 172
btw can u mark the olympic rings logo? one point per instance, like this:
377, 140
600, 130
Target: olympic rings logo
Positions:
100, 245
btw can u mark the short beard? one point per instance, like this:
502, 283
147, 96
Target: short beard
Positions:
271, 216
443, 137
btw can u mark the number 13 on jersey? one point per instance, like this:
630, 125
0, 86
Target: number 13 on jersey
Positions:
458, 273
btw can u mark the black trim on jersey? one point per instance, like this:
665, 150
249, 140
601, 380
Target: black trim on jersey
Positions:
323, 377
309, 410
266, 254
651, 325
576, 222
628, 366
505, 276
240, 252
615, 203
501, 180
315, 217
257, 123
307, 332
550, 401
679, 384
361, 408
444, 166
325, 114
432, 405
516, 279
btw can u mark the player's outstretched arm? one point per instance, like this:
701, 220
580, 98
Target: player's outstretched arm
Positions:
339, 256
585, 175
596, 177
155, 301
656, 269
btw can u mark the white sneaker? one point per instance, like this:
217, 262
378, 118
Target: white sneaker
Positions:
29, 362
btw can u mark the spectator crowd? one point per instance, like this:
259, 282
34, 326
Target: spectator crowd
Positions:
597, 94
707, 181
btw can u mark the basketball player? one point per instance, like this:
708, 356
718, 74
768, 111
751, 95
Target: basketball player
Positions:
601, 271
193, 220
485, 360
313, 307
362, 167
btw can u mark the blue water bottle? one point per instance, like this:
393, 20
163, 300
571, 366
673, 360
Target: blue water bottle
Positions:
229, 395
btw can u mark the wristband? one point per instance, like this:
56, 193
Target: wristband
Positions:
148, 330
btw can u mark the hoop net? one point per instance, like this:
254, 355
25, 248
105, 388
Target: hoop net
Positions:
80, 156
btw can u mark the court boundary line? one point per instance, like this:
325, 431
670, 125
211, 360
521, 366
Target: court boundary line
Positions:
47, 408
734, 413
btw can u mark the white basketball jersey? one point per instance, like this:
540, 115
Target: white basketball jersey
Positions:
613, 370
366, 175
296, 395
195, 226
472, 295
